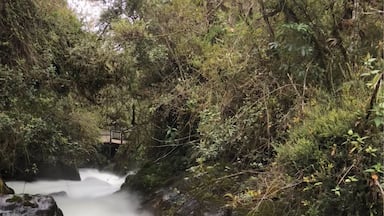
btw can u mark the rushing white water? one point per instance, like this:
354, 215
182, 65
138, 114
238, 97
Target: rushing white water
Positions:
94, 195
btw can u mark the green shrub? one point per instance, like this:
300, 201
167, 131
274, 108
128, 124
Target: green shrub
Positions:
327, 153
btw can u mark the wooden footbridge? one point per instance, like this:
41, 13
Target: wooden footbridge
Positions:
112, 136
111, 139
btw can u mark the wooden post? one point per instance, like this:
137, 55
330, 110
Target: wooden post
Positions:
121, 136
133, 122
110, 150
110, 135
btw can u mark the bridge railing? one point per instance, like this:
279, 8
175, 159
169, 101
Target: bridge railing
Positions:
116, 134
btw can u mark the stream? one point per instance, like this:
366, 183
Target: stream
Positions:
95, 195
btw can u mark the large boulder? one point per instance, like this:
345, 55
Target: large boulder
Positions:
58, 171
42, 170
28, 205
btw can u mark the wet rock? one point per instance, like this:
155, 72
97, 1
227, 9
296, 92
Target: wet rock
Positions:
183, 204
220, 212
43, 170
28, 205
59, 193
58, 171
192, 206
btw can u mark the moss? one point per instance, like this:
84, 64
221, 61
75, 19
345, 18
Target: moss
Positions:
327, 151
15, 199
25, 200
4, 189
324, 123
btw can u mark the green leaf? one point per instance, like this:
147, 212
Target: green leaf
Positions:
350, 132
378, 122
336, 190
369, 170
375, 80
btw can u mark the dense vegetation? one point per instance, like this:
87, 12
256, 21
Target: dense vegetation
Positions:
266, 107
50, 72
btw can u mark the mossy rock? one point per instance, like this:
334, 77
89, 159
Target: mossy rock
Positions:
14, 199
4, 189
27, 205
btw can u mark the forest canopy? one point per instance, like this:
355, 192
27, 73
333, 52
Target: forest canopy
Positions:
263, 107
